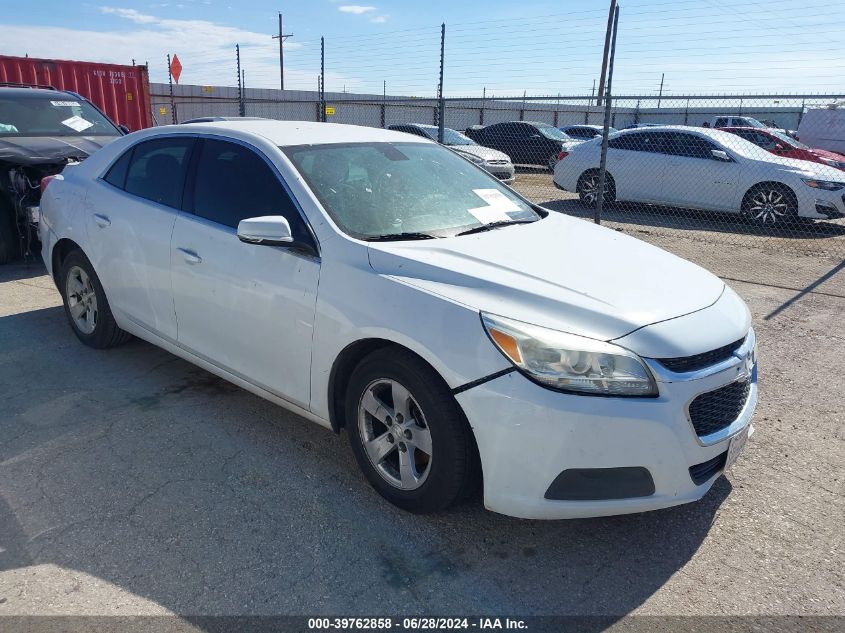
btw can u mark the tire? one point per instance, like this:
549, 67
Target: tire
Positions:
86, 306
9, 245
587, 188
439, 463
770, 204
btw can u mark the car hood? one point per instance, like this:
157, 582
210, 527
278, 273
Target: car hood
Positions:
801, 168
484, 153
561, 273
34, 150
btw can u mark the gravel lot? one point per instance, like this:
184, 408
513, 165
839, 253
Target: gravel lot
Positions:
134, 483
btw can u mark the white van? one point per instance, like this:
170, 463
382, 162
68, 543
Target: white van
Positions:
824, 128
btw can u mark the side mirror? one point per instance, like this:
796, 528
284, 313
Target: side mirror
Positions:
779, 147
269, 230
718, 154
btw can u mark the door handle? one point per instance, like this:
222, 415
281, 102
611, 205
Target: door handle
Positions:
102, 220
190, 256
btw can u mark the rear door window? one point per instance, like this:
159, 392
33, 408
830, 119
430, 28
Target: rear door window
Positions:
157, 170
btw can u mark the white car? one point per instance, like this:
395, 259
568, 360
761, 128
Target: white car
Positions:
376, 282
703, 169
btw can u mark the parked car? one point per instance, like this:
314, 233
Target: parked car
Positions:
635, 126
526, 142
497, 163
585, 132
454, 330
787, 147
704, 169
41, 131
824, 128
747, 121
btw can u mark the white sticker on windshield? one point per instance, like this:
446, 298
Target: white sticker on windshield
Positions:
498, 205
77, 123
65, 104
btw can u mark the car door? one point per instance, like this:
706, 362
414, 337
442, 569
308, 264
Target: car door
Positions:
695, 178
636, 161
503, 137
247, 308
129, 219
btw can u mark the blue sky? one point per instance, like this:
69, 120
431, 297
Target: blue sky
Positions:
542, 48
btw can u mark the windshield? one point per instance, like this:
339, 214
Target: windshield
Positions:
787, 140
450, 137
553, 133
383, 189
62, 115
752, 122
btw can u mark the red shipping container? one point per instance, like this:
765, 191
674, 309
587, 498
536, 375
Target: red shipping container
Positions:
122, 92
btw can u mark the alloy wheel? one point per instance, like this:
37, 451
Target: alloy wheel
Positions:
769, 207
395, 434
590, 188
81, 300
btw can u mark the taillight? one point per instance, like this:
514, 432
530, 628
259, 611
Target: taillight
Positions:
562, 155
47, 180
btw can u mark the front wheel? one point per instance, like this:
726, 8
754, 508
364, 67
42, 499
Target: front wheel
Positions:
408, 434
770, 204
86, 306
588, 189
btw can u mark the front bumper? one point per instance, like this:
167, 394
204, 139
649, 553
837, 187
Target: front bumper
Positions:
820, 204
528, 435
503, 171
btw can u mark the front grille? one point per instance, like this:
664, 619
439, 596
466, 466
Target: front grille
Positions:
700, 361
705, 470
716, 410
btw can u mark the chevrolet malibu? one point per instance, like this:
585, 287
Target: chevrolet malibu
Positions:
378, 283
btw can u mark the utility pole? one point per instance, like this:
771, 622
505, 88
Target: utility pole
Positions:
606, 130
660, 94
282, 36
441, 123
610, 18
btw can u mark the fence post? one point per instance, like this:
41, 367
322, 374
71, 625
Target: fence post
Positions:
170, 80
686, 113
801, 113
441, 117
322, 79
483, 103
606, 130
241, 105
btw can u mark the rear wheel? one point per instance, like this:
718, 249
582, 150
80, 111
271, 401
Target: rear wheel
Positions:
588, 188
86, 306
770, 204
408, 434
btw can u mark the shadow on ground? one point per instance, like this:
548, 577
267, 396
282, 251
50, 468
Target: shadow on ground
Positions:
141, 470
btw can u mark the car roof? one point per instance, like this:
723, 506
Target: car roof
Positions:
287, 133
715, 134
32, 93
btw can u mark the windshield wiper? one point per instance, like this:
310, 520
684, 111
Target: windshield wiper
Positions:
398, 237
493, 225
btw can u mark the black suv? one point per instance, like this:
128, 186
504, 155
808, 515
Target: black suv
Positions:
526, 142
41, 131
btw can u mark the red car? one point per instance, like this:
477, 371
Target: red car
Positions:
787, 147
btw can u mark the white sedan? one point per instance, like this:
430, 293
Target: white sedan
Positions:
705, 169
381, 284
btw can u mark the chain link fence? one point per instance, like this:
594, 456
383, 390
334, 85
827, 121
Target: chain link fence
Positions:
726, 181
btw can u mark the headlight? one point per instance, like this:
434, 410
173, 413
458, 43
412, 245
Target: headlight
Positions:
833, 163
570, 363
828, 185
472, 158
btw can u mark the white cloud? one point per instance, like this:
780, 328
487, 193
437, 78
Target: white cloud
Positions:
357, 9
206, 50
379, 19
131, 14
